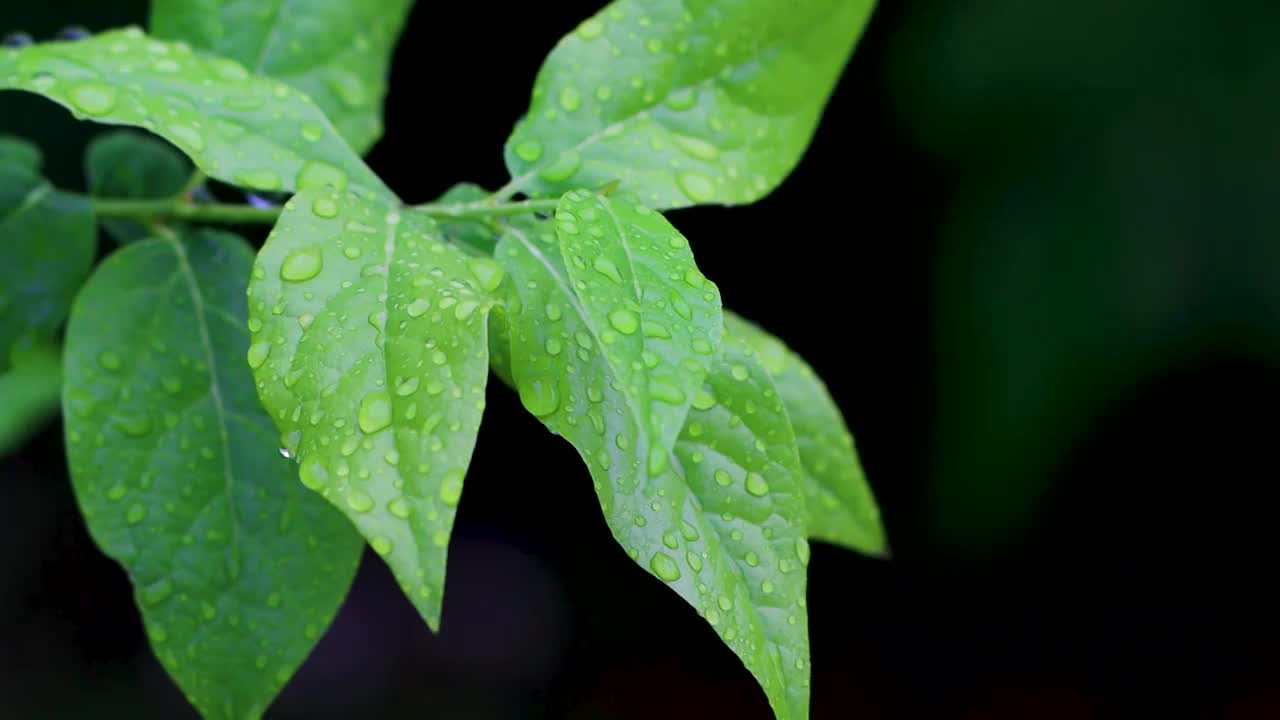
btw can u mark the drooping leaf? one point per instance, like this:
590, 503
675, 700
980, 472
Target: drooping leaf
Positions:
842, 509
237, 570
237, 127
29, 395
719, 545
740, 461
370, 351
338, 53
124, 164
684, 103
15, 151
47, 245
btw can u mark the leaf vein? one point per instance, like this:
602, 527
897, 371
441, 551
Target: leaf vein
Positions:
215, 391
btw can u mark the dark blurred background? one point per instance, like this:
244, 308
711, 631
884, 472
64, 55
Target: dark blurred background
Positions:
1035, 251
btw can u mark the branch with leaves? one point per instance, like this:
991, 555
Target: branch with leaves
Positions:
240, 426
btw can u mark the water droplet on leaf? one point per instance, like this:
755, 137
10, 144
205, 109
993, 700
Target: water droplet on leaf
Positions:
624, 321
408, 387
312, 132
258, 353
664, 567
529, 150
318, 174
562, 168
487, 272
696, 186
590, 29
324, 207
540, 397
136, 513
359, 501
375, 412
267, 180
451, 487
93, 98
302, 264
570, 98
400, 508
313, 474
607, 268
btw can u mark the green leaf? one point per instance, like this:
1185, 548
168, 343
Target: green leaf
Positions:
684, 103
336, 52
612, 306
126, 164
47, 245
481, 237
739, 459
652, 313
236, 569
15, 151
500, 338
237, 127
370, 351
29, 395
719, 545
842, 509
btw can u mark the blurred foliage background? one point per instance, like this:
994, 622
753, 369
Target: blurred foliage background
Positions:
1034, 250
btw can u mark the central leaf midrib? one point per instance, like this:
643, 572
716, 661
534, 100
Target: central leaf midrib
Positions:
215, 391
626, 248
625, 243
389, 248
577, 308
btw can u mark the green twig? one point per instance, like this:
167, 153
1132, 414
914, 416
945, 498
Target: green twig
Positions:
193, 182
153, 211
150, 211
486, 209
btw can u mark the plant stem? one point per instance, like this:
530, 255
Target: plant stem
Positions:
487, 209
506, 191
146, 211
193, 182
151, 211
